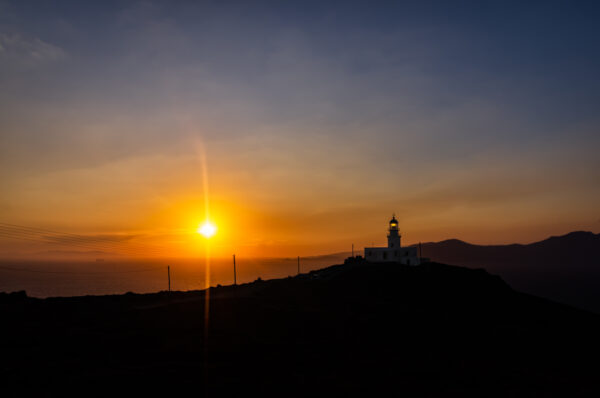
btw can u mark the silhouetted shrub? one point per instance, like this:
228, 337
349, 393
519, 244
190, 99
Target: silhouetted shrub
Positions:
13, 296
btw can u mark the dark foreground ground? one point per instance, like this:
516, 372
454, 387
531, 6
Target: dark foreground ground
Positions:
370, 330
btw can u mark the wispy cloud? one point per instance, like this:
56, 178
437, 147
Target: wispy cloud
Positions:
23, 51
96, 239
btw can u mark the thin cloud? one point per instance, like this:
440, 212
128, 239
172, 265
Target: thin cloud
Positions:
17, 49
105, 238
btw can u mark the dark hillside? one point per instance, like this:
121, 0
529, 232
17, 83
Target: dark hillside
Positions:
433, 330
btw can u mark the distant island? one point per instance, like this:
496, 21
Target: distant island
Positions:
562, 268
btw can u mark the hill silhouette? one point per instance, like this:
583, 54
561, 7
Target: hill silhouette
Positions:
562, 268
347, 330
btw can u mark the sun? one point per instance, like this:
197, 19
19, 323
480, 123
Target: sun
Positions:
207, 229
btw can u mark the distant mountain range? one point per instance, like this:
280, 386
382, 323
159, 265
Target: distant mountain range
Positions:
562, 268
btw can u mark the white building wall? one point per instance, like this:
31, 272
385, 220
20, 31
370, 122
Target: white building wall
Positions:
402, 255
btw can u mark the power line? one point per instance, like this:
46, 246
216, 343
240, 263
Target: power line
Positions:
62, 238
96, 243
35, 238
58, 236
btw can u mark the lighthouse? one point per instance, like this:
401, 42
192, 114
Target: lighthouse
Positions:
394, 252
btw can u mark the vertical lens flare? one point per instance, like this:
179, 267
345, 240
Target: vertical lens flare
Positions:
207, 231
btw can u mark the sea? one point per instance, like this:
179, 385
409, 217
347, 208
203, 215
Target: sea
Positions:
54, 278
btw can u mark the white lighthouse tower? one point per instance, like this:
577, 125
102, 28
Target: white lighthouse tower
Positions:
394, 234
394, 252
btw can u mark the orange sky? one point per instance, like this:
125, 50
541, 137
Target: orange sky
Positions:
287, 206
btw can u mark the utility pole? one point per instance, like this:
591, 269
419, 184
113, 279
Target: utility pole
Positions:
298, 265
169, 276
353, 250
234, 273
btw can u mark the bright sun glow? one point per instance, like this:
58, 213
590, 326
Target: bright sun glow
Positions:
207, 229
